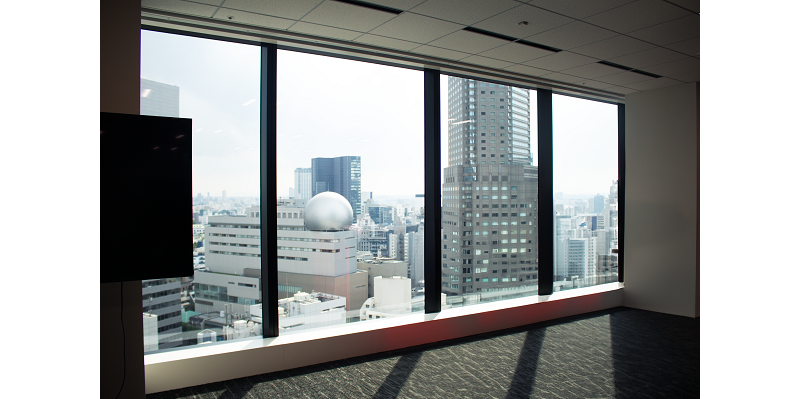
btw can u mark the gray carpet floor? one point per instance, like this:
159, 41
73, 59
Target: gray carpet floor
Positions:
617, 353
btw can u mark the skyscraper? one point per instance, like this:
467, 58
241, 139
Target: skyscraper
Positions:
490, 191
302, 184
159, 99
340, 175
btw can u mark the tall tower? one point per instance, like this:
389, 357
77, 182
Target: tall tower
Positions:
490, 229
340, 175
302, 183
159, 99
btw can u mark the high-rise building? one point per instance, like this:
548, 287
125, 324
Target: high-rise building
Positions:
381, 214
159, 99
224, 195
340, 175
302, 184
489, 214
161, 298
599, 203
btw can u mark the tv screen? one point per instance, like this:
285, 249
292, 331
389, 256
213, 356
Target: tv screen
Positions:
145, 187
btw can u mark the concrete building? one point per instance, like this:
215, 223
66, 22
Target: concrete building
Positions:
161, 297
340, 175
232, 260
416, 250
159, 99
372, 238
303, 183
383, 268
308, 310
150, 328
392, 298
381, 214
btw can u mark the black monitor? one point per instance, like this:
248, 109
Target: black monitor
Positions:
145, 185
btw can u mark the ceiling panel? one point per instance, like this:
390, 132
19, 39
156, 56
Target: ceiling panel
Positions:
183, 7
218, 2
515, 53
485, 61
387, 42
637, 15
464, 12
249, 18
670, 32
643, 59
578, 9
675, 67
621, 90
690, 46
347, 16
653, 84
324, 31
591, 71
624, 78
440, 52
538, 20
526, 70
560, 61
614, 47
571, 35
562, 77
594, 84
416, 28
294, 9
687, 77
468, 42
692, 5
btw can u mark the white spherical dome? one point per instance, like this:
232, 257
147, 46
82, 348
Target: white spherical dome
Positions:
328, 211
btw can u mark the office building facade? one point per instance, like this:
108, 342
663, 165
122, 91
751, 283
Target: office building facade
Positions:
490, 191
340, 175
159, 99
303, 183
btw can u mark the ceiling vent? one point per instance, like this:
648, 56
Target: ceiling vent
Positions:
371, 6
510, 38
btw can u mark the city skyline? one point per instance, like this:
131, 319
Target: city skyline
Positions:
337, 121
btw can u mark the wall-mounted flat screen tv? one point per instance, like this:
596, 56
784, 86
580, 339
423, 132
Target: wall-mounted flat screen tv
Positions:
145, 195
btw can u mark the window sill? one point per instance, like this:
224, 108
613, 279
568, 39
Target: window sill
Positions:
204, 364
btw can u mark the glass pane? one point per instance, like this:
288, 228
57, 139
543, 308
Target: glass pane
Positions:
217, 85
350, 164
489, 192
585, 179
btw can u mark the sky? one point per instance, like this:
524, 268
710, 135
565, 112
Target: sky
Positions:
330, 107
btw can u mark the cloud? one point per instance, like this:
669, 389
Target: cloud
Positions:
218, 131
248, 102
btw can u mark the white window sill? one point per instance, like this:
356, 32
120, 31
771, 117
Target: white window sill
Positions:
201, 364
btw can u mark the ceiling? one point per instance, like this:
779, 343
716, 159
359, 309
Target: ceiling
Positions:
610, 46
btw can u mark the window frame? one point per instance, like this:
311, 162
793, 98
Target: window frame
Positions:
432, 168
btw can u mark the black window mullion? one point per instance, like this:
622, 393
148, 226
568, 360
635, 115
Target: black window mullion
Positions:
546, 206
269, 189
432, 188
620, 192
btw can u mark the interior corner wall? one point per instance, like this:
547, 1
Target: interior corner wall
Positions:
121, 352
661, 265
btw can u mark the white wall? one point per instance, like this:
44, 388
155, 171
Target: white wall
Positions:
661, 264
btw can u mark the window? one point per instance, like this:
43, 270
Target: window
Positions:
217, 85
347, 157
511, 173
585, 225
